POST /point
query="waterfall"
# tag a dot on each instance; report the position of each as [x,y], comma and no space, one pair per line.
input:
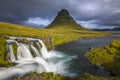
[43,63]
[34,49]
[23,52]
[11,54]
[43,50]
[32,56]
[29,53]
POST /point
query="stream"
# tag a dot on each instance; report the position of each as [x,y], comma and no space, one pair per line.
[66,59]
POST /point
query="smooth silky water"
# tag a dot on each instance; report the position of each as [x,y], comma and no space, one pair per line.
[67,59]
[30,58]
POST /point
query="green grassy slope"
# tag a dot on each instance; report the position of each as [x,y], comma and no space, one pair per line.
[60,36]
[64,21]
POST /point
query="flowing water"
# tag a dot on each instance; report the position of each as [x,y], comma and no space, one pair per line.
[66,59]
[32,57]
[81,64]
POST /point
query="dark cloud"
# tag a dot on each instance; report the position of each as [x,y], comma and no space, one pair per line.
[103,12]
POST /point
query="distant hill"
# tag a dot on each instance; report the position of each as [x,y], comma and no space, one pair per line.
[115,29]
[63,20]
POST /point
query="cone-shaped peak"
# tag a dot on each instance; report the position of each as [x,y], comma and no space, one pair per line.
[64,20]
[63,15]
[63,12]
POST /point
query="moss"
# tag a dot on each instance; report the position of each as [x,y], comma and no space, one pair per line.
[51,76]
[108,56]
[14,45]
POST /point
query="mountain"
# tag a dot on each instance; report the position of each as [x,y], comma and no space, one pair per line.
[64,20]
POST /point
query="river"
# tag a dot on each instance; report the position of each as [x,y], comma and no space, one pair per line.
[81,64]
[66,59]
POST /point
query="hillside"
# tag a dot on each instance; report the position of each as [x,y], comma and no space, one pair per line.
[8,29]
[60,36]
[64,20]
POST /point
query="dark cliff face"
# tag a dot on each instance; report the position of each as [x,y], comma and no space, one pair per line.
[63,12]
[64,20]
[63,16]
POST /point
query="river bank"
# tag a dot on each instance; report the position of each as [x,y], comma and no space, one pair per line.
[59,36]
[79,67]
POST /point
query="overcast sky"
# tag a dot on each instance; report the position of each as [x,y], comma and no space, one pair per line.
[89,13]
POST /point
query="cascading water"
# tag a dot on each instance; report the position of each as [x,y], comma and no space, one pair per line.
[11,54]
[32,58]
[43,50]
[37,53]
[23,52]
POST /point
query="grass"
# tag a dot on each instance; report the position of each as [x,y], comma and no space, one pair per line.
[60,35]
[108,56]
[51,76]
[65,22]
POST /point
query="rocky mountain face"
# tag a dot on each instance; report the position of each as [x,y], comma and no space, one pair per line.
[64,20]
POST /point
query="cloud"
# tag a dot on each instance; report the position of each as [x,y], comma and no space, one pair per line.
[92,25]
[106,12]
[37,21]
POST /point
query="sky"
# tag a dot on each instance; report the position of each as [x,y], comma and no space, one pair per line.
[92,14]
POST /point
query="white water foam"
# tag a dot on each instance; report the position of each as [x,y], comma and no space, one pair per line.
[43,61]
